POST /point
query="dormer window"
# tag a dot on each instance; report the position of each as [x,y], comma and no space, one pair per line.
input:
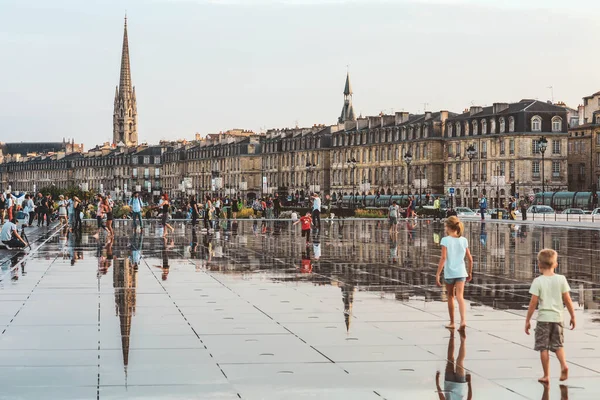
[536,124]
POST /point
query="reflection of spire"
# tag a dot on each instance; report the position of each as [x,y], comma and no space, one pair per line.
[348,299]
[125,283]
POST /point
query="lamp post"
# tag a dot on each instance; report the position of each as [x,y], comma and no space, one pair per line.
[352,164]
[408,159]
[310,168]
[497,187]
[471,153]
[543,144]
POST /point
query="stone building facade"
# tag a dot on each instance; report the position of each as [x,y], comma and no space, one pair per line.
[584,147]
[505,137]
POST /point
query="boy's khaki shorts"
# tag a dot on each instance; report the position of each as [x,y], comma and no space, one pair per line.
[549,336]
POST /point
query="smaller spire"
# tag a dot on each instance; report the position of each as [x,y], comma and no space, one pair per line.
[348,87]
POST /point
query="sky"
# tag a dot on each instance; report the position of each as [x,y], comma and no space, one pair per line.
[210,65]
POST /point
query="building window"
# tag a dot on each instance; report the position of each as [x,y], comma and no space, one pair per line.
[134,171]
[466,128]
[458,149]
[556,124]
[535,169]
[449,172]
[134,160]
[474,128]
[449,130]
[535,147]
[484,149]
[450,148]
[502,125]
[492,126]
[511,124]
[502,168]
[556,147]
[512,170]
[536,124]
[458,172]
[458,130]
[483,127]
[555,169]
[502,149]
[146,159]
[157,173]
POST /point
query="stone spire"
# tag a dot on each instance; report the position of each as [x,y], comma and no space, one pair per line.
[348,110]
[125,106]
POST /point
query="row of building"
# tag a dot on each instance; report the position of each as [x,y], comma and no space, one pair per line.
[483,150]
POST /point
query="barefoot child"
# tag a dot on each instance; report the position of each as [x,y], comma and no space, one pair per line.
[550,290]
[454,249]
[306,222]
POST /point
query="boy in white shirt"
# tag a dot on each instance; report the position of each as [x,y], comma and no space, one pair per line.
[551,291]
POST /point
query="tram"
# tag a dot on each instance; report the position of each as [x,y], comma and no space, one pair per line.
[562,200]
[384,201]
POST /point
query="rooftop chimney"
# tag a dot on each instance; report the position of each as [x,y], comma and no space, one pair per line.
[401,117]
[499,107]
[475,110]
[427,115]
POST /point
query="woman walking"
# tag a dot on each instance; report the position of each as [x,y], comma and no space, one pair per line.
[62,210]
[164,205]
[109,215]
[100,214]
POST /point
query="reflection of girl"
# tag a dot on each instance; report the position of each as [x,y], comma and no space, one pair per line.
[457,384]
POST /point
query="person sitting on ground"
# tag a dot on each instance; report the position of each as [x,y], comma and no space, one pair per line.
[10,236]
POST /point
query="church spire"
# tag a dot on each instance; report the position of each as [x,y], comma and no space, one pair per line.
[125,105]
[125,81]
[347,110]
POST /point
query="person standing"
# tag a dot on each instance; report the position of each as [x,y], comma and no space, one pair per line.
[41,202]
[62,210]
[71,212]
[316,211]
[109,215]
[523,210]
[9,205]
[49,208]
[482,206]
[195,211]
[277,205]
[77,211]
[455,248]
[28,208]
[164,206]
[2,207]
[394,210]
[136,211]
[437,209]
[551,292]
[100,214]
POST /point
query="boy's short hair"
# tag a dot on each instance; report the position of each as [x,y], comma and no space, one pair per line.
[547,258]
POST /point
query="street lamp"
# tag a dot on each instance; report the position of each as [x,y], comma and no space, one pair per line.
[352,164]
[542,144]
[310,168]
[408,159]
[471,153]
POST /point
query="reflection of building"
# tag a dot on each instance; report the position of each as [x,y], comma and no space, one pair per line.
[125,285]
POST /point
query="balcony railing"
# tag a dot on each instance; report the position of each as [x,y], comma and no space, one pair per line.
[474,177]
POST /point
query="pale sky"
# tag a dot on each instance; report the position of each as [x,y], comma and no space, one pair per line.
[208,66]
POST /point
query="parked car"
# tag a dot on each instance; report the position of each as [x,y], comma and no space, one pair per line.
[596,211]
[573,211]
[502,210]
[540,210]
[464,211]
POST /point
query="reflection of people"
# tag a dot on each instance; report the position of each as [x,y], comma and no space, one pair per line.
[551,291]
[394,247]
[457,384]
[165,259]
[483,234]
[455,248]
[306,265]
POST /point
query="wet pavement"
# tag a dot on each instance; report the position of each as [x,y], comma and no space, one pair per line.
[251,312]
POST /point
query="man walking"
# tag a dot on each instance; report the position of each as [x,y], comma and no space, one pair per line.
[40,206]
[136,209]
[482,206]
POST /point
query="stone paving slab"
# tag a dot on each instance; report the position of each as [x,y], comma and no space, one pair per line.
[240,316]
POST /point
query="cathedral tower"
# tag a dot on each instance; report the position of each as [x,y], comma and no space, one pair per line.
[125,108]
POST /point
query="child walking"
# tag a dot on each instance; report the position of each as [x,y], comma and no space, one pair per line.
[306,222]
[551,292]
[455,248]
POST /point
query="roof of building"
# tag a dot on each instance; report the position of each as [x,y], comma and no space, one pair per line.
[24,148]
[527,105]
